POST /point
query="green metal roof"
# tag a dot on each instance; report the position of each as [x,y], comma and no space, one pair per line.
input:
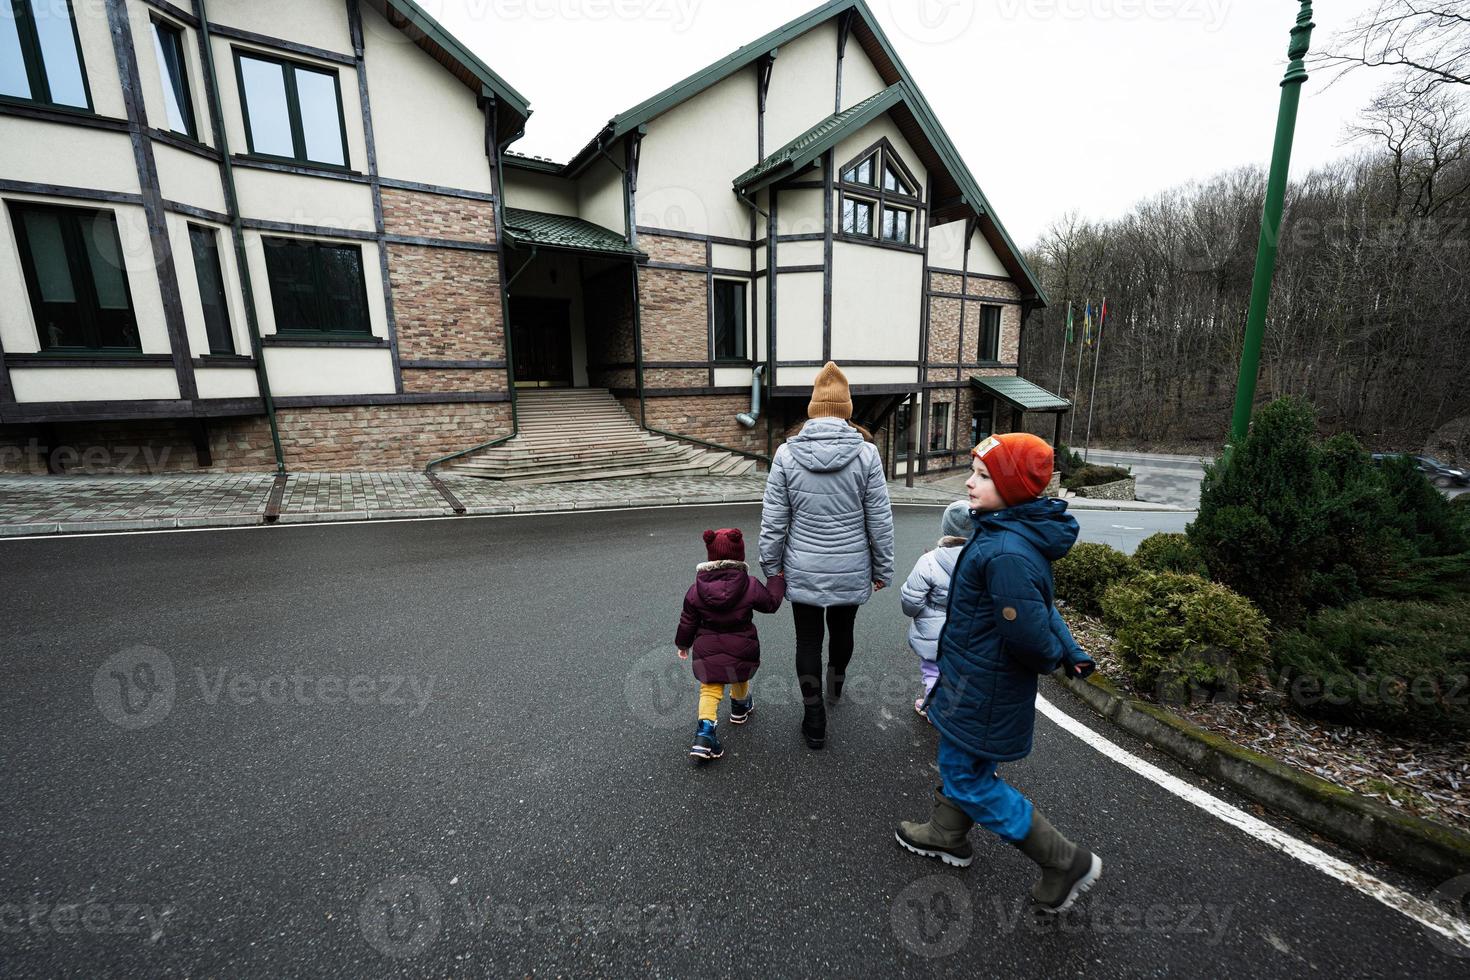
[1022,394]
[522,161]
[814,142]
[626,122]
[563,231]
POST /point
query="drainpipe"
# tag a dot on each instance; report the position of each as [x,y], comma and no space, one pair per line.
[237,232]
[770,367]
[748,419]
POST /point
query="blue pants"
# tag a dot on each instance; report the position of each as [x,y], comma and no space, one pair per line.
[973,784]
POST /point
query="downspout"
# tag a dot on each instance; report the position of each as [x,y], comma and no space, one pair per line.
[237,232]
[749,419]
[769,366]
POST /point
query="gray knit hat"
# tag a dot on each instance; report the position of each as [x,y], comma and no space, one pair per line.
[957,522]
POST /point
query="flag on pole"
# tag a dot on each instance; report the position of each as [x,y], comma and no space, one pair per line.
[1102,317]
[1069,321]
[1087,324]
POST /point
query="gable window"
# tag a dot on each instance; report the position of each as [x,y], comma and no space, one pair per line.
[204,242]
[41,55]
[857,216]
[729,314]
[939,427]
[896,223]
[317,287]
[173,69]
[861,172]
[989,333]
[893,182]
[72,260]
[292,111]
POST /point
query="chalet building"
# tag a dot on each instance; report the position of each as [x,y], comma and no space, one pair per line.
[251,234]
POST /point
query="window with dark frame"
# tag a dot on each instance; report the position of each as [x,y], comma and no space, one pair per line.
[884,219]
[939,427]
[204,242]
[292,111]
[857,216]
[901,432]
[41,55]
[173,71]
[989,333]
[982,424]
[317,287]
[73,265]
[729,320]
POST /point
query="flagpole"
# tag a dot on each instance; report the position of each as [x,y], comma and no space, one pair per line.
[1092,399]
[1076,386]
[1066,338]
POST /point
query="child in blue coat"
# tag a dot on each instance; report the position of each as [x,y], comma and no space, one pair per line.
[1002,633]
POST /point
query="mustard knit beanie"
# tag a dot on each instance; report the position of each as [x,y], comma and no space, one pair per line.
[830,396]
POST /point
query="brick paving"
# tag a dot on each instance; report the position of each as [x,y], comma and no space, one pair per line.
[50,505]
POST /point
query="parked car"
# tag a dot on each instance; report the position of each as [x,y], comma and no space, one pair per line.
[1440,474]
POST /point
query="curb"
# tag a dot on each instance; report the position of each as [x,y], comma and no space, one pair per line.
[1369,826]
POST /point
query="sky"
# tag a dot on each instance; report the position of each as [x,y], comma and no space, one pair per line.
[1055,105]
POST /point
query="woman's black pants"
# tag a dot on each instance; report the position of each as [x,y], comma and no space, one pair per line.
[809,629]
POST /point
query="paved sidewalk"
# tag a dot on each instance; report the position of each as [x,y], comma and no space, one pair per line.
[66,505]
[955,485]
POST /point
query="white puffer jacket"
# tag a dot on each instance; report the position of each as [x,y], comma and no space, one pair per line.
[925,595]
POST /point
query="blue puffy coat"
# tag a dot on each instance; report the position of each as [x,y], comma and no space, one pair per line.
[1000,632]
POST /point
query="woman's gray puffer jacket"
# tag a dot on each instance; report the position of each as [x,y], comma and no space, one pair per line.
[826,522]
[925,596]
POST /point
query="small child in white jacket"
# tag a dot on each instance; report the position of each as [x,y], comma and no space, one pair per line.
[925,595]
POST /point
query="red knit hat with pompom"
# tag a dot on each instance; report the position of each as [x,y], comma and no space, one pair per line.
[726,544]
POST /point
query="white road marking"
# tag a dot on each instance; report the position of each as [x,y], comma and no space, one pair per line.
[1425,913]
[1125,527]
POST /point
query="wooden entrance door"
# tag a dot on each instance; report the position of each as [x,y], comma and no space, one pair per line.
[541,334]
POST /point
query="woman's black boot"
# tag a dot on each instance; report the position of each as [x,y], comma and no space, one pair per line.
[814,726]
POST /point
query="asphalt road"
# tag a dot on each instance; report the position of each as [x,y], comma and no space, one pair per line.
[458,747]
[1161,479]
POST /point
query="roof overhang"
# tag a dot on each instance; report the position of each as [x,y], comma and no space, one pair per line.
[563,232]
[1021,394]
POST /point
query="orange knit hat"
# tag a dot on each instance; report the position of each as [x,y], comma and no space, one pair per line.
[830,394]
[1019,465]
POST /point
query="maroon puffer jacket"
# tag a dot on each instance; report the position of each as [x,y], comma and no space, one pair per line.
[718,620]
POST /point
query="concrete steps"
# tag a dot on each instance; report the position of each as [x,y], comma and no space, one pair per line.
[575,434]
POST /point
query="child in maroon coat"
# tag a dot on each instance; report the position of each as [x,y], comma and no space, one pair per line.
[718,623]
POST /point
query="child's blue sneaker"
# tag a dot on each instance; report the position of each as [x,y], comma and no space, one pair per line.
[706,743]
[740,709]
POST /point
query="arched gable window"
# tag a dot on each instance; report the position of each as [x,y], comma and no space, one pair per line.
[880,196]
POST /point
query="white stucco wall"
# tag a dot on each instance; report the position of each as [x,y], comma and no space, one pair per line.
[983,258]
[66,156]
[803,85]
[876,303]
[329,371]
[798,317]
[859,78]
[861,375]
[227,382]
[799,212]
[730,256]
[268,195]
[322,25]
[99,60]
[94,384]
[188,179]
[726,377]
[947,247]
[539,192]
[600,194]
[798,253]
[691,155]
[426,125]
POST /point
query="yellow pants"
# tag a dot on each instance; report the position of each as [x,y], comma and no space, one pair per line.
[710,696]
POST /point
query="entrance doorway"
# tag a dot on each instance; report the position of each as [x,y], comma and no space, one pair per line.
[541,333]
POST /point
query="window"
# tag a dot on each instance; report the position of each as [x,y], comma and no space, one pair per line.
[896,223]
[893,182]
[317,287]
[173,69]
[73,266]
[857,216]
[939,427]
[205,245]
[901,432]
[729,320]
[989,333]
[40,54]
[982,426]
[860,173]
[292,111]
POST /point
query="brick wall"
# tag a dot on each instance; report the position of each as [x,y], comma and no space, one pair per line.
[438,380]
[707,417]
[944,319]
[677,378]
[608,304]
[1001,288]
[675,317]
[447,303]
[681,250]
[100,448]
[944,330]
[435,216]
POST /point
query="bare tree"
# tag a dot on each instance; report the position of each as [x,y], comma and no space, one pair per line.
[1428,41]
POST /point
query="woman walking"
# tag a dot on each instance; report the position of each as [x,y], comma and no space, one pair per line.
[827,526]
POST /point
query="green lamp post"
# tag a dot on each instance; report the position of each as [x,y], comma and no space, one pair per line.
[1255,325]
